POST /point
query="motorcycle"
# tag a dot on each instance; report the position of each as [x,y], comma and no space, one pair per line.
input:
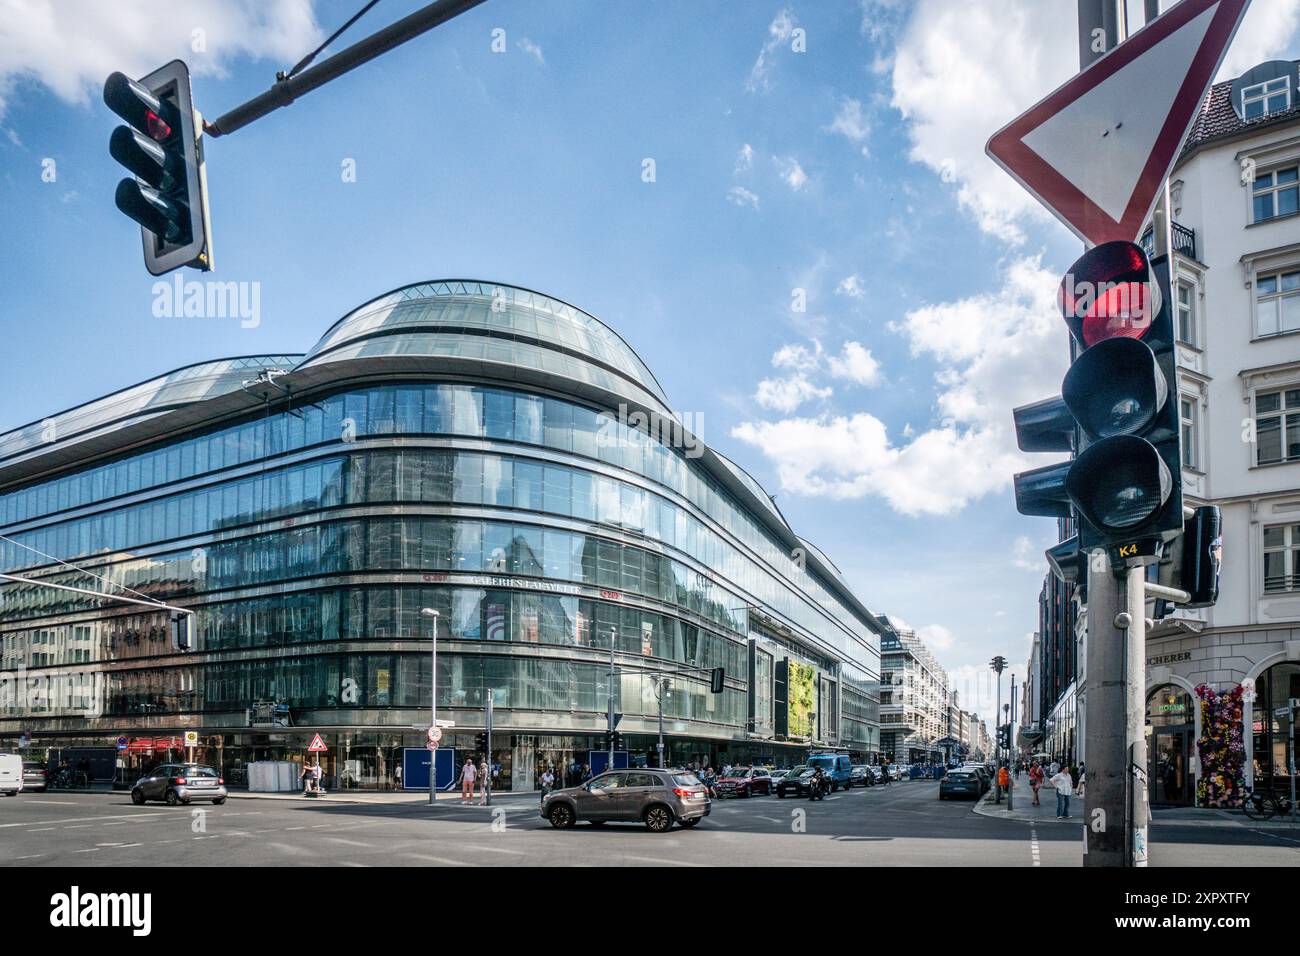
[818,787]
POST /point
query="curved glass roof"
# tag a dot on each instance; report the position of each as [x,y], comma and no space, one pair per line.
[488,309]
[194,383]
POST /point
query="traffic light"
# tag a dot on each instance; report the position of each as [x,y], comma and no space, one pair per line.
[616,740]
[1195,566]
[1117,412]
[1004,736]
[481,743]
[716,678]
[160,146]
[180,628]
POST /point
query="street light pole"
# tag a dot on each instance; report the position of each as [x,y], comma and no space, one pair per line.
[613,633]
[433,700]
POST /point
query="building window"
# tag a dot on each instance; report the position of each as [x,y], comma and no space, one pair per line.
[1187,420]
[1277,426]
[1277,303]
[1262,99]
[1276,193]
[1282,558]
[1186,314]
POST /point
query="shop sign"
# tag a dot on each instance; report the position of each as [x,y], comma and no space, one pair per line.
[1169,658]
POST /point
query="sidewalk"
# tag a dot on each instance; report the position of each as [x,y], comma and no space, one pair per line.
[1045,812]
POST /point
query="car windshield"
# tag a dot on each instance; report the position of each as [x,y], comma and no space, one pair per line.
[741,772]
[33,765]
[796,771]
[686,780]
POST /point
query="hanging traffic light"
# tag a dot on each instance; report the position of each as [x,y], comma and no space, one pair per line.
[162,150]
[1116,412]
[717,679]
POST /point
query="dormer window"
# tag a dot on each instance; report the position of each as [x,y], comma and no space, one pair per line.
[1263,99]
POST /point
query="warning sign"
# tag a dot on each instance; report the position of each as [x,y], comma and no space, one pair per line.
[317,746]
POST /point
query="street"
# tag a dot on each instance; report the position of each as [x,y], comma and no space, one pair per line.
[902,825]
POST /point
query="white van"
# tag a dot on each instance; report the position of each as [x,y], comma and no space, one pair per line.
[11,774]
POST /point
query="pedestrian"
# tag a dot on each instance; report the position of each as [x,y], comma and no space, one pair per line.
[548,782]
[483,780]
[1064,786]
[1051,771]
[1036,780]
[1004,781]
[306,779]
[1083,781]
[318,777]
[1074,775]
[467,775]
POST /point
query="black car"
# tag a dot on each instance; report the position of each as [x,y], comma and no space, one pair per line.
[961,783]
[795,783]
[861,776]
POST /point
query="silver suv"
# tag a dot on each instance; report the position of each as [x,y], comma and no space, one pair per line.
[657,798]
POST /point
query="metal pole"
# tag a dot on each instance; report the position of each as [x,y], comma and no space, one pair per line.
[433,701]
[487,783]
[659,693]
[287,89]
[1136,675]
[613,634]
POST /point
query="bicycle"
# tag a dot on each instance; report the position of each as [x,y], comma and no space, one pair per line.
[1266,805]
[70,780]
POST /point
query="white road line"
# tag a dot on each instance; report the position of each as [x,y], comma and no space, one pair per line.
[492,849]
[659,862]
[55,803]
[348,842]
[80,826]
[1033,845]
[42,829]
[438,859]
[119,816]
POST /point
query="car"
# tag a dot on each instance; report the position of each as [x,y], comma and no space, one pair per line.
[861,776]
[178,783]
[980,771]
[11,774]
[877,773]
[836,766]
[961,783]
[744,782]
[35,776]
[794,783]
[653,796]
[895,771]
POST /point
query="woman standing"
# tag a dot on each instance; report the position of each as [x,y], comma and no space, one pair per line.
[1035,779]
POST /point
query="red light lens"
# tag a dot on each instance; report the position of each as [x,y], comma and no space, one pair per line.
[1123,309]
[1110,293]
[156,127]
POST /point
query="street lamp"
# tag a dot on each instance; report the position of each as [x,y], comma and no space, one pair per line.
[433,698]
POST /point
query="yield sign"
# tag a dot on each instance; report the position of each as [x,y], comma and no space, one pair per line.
[317,745]
[1096,151]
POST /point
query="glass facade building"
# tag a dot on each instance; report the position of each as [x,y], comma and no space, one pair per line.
[481,450]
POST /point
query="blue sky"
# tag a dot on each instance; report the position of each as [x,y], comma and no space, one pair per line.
[852,170]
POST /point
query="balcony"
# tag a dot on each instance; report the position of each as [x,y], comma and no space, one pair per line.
[1184,241]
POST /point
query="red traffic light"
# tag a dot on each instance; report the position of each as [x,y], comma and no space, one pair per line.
[1108,293]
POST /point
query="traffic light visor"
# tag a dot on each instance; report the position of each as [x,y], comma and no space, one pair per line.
[1119,483]
[1115,388]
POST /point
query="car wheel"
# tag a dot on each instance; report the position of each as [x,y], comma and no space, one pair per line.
[659,819]
[137,797]
[218,801]
[746,793]
[172,798]
[780,794]
[689,823]
[561,816]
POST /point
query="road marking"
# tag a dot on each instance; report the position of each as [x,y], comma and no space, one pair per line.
[438,859]
[79,826]
[119,816]
[659,862]
[1033,845]
[42,829]
[55,803]
[348,842]
[492,849]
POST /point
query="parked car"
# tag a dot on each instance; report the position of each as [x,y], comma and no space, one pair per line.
[11,774]
[657,798]
[794,783]
[836,766]
[981,772]
[961,783]
[877,773]
[176,783]
[35,776]
[744,782]
[861,776]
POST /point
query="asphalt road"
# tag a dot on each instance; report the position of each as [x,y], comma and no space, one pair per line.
[904,824]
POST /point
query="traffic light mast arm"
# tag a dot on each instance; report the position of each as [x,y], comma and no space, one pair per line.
[288,89]
[104,594]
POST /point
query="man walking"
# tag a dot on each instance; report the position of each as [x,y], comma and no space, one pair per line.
[1064,786]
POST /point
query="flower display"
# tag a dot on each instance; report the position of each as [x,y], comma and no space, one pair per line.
[1221,748]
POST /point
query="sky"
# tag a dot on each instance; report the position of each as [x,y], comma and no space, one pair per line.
[785,208]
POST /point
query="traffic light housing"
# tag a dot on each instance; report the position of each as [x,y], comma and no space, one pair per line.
[1117,413]
[717,677]
[1004,736]
[481,742]
[160,146]
[1194,567]
[180,628]
[615,740]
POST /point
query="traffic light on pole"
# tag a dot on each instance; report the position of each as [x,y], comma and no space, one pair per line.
[160,146]
[1117,411]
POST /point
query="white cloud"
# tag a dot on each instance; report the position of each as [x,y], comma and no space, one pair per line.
[791,172]
[984,344]
[70,46]
[787,394]
[855,363]
[954,95]
[1026,557]
[532,49]
[797,356]
[778,33]
[936,637]
[742,196]
[851,123]
[745,159]
[851,286]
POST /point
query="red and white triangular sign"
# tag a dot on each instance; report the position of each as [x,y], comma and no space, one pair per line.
[317,745]
[1097,150]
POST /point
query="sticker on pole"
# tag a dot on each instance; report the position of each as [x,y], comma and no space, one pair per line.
[1096,151]
[435,734]
[191,738]
[317,746]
